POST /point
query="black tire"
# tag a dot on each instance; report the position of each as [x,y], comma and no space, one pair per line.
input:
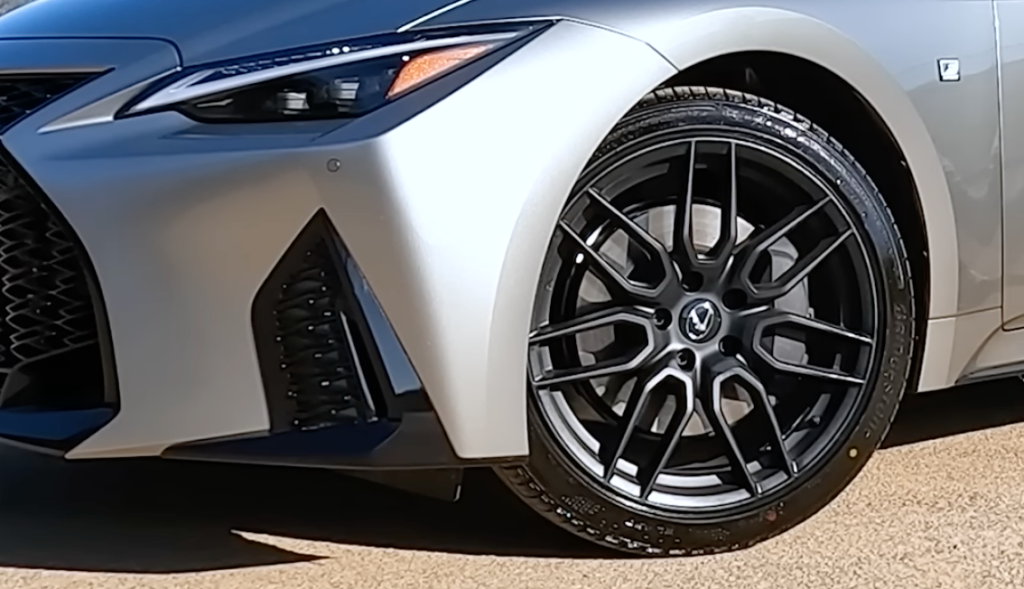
[552,482]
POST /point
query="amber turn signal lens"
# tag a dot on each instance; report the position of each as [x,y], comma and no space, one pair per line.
[423,67]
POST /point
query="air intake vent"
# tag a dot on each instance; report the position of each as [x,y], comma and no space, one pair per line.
[22,94]
[316,346]
[317,368]
[54,373]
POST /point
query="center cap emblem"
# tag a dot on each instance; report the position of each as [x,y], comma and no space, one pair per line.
[700,320]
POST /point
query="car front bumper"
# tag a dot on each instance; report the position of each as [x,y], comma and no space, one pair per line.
[444,201]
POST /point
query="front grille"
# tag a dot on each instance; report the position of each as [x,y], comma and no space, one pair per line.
[46,306]
[315,344]
[22,94]
[51,354]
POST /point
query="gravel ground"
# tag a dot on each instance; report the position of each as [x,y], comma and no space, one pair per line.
[940,507]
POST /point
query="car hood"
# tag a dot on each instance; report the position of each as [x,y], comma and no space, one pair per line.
[213,30]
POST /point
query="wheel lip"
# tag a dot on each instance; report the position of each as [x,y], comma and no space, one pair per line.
[601,167]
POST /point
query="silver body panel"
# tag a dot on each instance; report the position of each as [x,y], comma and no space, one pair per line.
[1011,52]
[447,200]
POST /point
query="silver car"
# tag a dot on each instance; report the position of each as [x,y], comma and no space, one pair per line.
[667,268]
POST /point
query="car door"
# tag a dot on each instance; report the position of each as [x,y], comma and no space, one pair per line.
[1009,24]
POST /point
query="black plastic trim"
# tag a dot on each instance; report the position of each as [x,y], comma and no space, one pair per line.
[416,441]
[401,432]
[73,80]
[1012,370]
[384,402]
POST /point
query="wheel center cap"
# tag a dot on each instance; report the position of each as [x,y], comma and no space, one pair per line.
[700,320]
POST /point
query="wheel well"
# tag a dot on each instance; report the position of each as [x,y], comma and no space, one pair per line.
[834,105]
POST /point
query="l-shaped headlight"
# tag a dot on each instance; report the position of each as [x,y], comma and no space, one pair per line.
[336,81]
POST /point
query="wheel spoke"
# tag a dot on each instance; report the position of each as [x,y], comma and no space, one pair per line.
[758,244]
[729,224]
[760,398]
[644,239]
[826,374]
[814,372]
[720,424]
[611,450]
[799,271]
[590,372]
[682,236]
[721,251]
[799,323]
[647,474]
[591,321]
[552,333]
[612,277]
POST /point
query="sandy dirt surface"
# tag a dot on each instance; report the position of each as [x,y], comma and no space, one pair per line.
[941,506]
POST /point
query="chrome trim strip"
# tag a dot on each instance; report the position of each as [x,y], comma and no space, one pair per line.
[103,110]
[431,15]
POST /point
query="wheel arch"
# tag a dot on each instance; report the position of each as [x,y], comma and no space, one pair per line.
[695,40]
[772,31]
[832,104]
[803,39]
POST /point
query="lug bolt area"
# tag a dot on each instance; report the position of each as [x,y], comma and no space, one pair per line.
[692,281]
[730,346]
[662,318]
[687,359]
[734,299]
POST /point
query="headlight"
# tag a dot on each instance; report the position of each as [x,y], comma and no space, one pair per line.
[341,80]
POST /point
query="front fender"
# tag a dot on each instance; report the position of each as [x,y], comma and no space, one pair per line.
[459,279]
[689,33]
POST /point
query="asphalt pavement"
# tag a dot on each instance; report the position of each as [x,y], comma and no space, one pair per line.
[941,506]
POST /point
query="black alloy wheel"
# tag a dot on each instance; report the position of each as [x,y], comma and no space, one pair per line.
[722,333]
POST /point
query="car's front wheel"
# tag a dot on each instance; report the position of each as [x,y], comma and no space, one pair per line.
[722,333]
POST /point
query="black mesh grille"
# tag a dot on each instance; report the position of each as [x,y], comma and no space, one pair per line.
[22,94]
[315,345]
[44,295]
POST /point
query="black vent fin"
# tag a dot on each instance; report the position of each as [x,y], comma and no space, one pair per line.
[22,94]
